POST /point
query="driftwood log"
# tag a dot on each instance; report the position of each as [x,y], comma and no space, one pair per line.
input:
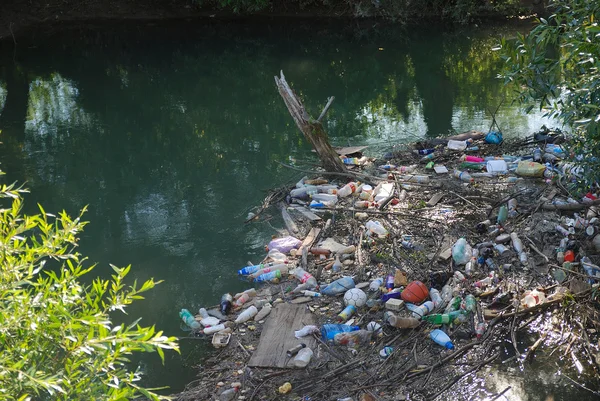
[311,128]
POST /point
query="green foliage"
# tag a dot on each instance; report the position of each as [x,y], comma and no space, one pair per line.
[557,66]
[58,338]
[461,11]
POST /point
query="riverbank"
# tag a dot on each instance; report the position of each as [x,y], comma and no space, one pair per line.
[15,18]
[502,296]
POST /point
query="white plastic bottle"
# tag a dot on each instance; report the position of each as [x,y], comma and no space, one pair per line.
[436,298]
[247,314]
[264,312]
[303,357]
[346,190]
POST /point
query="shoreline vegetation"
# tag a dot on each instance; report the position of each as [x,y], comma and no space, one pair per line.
[16,17]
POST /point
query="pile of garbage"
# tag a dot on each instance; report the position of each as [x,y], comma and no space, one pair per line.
[406,271]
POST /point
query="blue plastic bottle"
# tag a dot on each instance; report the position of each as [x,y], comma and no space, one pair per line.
[441,338]
[339,286]
[328,331]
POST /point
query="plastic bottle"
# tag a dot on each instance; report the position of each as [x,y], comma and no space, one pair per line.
[226,303]
[337,265]
[346,190]
[247,314]
[537,155]
[516,242]
[512,208]
[281,268]
[303,192]
[480,328]
[270,276]
[407,169]
[189,319]
[217,328]
[470,303]
[446,293]
[305,331]
[423,152]
[459,276]
[376,227]
[207,320]
[263,313]
[502,214]
[403,322]
[308,293]
[328,331]
[241,300]
[303,358]
[389,282]
[436,298]
[441,338]
[338,286]
[562,230]
[461,252]
[253,269]
[420,179]
[325,198]
[376,284]
[228,395]
[453,305]
[346,313]
[457,145]
[438,318]
[307,280]
[251,292]
[463,176]
[483,283]
[419,311]
[427,157]
[362,204]
[353,338]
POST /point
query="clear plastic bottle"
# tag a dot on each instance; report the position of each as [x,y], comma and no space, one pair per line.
[436,298]
[337,265]
[228,395]
[303,357]
[353,338]
[241,300]
[403,322]
[375,227]
[251,292]
[376,284]
[446,293]
[502,214]
[362,204]
[306,279]
[512,208]
[463,176]
[421,310]
[407,169]
[325,198]
[347,189]
[516,242]
[470,303]
[263,313]
[189,319]
[217,328]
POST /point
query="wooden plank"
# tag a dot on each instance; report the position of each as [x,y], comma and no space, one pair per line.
[349,150]
[307,213]
[435,199]
[278,336]
[310,238]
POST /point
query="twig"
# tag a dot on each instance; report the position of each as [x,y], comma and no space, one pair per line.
[537,250]
[500,394]
[581,385]
[327,106]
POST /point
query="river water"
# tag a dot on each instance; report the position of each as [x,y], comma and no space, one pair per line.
[172,132]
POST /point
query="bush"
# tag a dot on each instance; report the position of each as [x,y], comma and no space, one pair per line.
[556,66]
[58,338]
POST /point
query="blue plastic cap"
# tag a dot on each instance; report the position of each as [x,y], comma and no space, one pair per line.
[449,345]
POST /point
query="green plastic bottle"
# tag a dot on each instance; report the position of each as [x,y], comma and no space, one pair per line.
[470,303]
[502,214]
[437,318]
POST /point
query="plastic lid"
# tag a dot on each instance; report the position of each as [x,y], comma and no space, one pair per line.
[449,345]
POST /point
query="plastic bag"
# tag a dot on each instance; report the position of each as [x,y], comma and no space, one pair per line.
[530,169]
[284,244]
[461,252]
[494,137]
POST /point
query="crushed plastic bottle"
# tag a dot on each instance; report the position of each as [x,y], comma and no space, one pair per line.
[346,190]
[338,286]
[329,331]
[307,281]
[307,330]
[353,338]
